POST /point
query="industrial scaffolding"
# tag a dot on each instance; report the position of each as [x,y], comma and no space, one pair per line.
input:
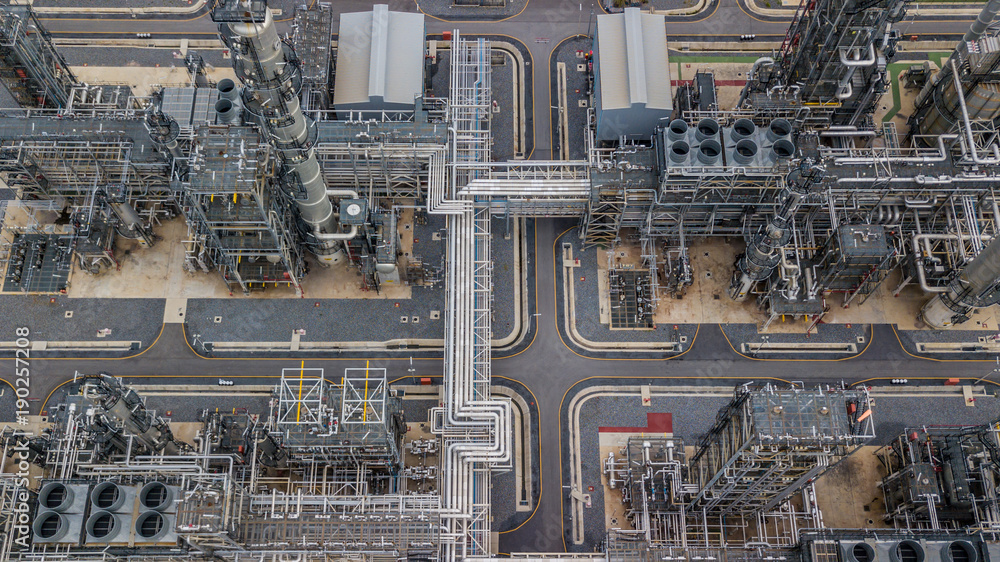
[311,40]
[355,425]
[240,221]
[30,68]
[769,443]
[943,478]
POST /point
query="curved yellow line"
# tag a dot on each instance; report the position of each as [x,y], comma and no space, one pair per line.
[531,318]
[901,346]
[532,58]
[555,298]
[717,4]
[548,73]
[871,336]
[537,407]
[421,10]
[162,326]
[539,457]
[51,392]
[749,15]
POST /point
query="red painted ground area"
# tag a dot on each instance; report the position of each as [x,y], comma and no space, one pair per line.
[655,423]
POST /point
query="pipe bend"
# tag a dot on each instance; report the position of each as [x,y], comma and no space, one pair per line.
[848,62]
[333,236]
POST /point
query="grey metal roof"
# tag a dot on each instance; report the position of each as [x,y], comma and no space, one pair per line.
[633,64]
[379,57]
[190,106]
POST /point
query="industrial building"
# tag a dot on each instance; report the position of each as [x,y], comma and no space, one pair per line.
[309,159]
[631,75]
[380,66]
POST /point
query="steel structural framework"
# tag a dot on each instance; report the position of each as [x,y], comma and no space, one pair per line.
[31,69]
[770,443]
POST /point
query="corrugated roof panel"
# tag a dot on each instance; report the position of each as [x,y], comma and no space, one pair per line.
[353,58]
[657,63]
[379,51]
[405,70]
[614,73]
[635,46]
[380,57]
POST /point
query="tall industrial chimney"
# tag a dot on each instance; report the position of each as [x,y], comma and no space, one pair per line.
[270,73]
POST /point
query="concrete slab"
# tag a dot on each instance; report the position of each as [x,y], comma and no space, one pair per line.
[174,310]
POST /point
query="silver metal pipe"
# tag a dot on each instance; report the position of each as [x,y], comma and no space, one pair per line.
[925,240]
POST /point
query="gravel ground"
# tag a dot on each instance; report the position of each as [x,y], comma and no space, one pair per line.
[827,333]
[131,56]
[588,315]
[246,319]
[895,414]
[504,497]
[694,416]
[128,319]
[910,338]
[502,82]
[576,90]
[654,4]
[116,3]
[6,99]
[445,10]
[502,123]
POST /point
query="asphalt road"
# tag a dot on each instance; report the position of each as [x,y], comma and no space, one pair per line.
[547,367]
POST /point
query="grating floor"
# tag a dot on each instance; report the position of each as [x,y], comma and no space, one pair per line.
[631,306]
[39,263]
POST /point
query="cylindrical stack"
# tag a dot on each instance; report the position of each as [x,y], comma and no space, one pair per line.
[977,286]
[745,151]
[679,152]
[677,130]
[260,58]
[706,129]
[777,129]
[709,151]
[764,248]
[742,129]
[933,92]
[228,113]
[230,106]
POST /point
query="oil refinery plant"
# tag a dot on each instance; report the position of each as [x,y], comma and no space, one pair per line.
[317,161]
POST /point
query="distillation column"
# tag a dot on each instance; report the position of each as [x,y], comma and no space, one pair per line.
[935,105]
[976,286]
[763,251]
[270,73]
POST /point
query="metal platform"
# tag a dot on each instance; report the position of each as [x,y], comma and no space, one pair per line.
[39,263]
